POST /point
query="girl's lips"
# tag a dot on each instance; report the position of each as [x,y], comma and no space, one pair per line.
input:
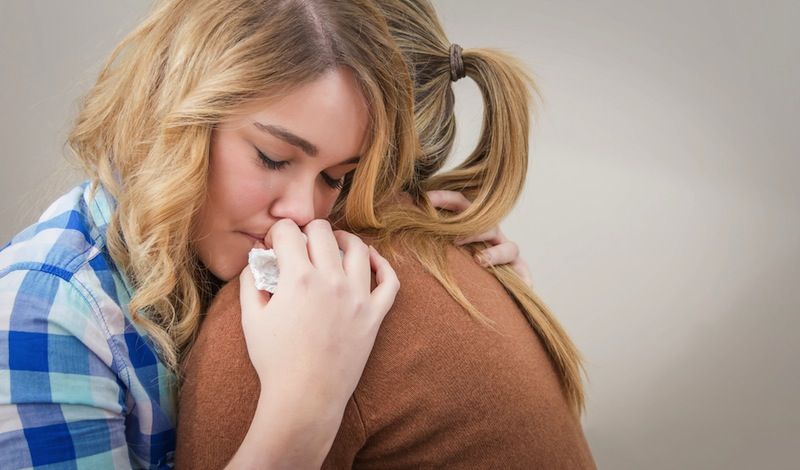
[256,238]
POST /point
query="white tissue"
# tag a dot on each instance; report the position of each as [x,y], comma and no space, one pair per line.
[264,266]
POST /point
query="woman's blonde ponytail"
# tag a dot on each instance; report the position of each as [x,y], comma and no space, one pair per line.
[492,176]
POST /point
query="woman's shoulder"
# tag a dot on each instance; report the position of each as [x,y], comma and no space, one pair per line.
[65,237]
[68,241]
[58,270]
[62,296]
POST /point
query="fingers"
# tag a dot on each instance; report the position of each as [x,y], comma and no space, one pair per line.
[323,249]
[503,253]
[521,267]
[493,236]
[506,253]
[251,298]
[290,246]
[387,283]
[356,260]
[448,200]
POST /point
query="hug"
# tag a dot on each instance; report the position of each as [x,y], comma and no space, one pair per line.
[403,332]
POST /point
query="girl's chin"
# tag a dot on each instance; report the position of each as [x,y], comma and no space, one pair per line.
[228,271]
[231,260]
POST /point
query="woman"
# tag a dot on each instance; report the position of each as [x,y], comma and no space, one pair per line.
[101,298]
[500,389]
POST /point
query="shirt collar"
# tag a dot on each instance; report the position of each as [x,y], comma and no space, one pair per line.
[101,206]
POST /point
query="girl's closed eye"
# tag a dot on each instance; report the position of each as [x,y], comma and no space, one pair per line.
[333,183]
[270,163]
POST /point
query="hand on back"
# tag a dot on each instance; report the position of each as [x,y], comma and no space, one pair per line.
[501,249]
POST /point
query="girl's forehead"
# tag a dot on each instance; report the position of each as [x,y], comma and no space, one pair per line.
[326,117]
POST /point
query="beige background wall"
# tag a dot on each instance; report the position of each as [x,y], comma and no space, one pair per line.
[660,219]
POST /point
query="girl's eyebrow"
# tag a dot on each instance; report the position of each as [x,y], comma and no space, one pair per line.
[288,137]
[293,139]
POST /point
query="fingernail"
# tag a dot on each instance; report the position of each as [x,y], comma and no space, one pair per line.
[483,259]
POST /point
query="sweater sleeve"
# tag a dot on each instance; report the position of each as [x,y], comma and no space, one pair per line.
[349,440]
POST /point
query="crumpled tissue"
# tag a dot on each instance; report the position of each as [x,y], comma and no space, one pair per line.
[264,266]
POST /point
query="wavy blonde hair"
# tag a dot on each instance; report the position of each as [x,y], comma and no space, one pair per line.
[492,176]
[143,131]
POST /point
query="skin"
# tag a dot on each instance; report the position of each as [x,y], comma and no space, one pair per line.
[501,249]
[247,195]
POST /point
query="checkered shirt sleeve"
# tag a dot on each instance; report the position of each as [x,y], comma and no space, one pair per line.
[80,386]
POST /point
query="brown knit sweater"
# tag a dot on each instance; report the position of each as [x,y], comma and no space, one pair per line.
[439,390]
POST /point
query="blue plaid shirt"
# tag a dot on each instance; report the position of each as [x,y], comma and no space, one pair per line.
[80,386]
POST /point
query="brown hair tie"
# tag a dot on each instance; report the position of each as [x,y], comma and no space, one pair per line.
[456,63]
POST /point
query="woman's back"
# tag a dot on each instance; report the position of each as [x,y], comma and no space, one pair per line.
[441,389]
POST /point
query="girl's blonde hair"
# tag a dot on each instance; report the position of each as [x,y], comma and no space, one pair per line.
[492,176]
[143,131]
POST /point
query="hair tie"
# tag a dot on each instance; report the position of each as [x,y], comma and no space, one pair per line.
[456,63]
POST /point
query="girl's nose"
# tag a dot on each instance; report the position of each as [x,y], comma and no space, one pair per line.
[296,203]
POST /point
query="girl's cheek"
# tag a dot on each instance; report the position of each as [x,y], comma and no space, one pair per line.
[325,203]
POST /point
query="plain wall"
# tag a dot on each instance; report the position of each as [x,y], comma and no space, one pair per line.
[660,218]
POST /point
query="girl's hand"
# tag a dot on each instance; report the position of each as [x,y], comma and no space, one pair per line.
[502,251]
[310,341]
